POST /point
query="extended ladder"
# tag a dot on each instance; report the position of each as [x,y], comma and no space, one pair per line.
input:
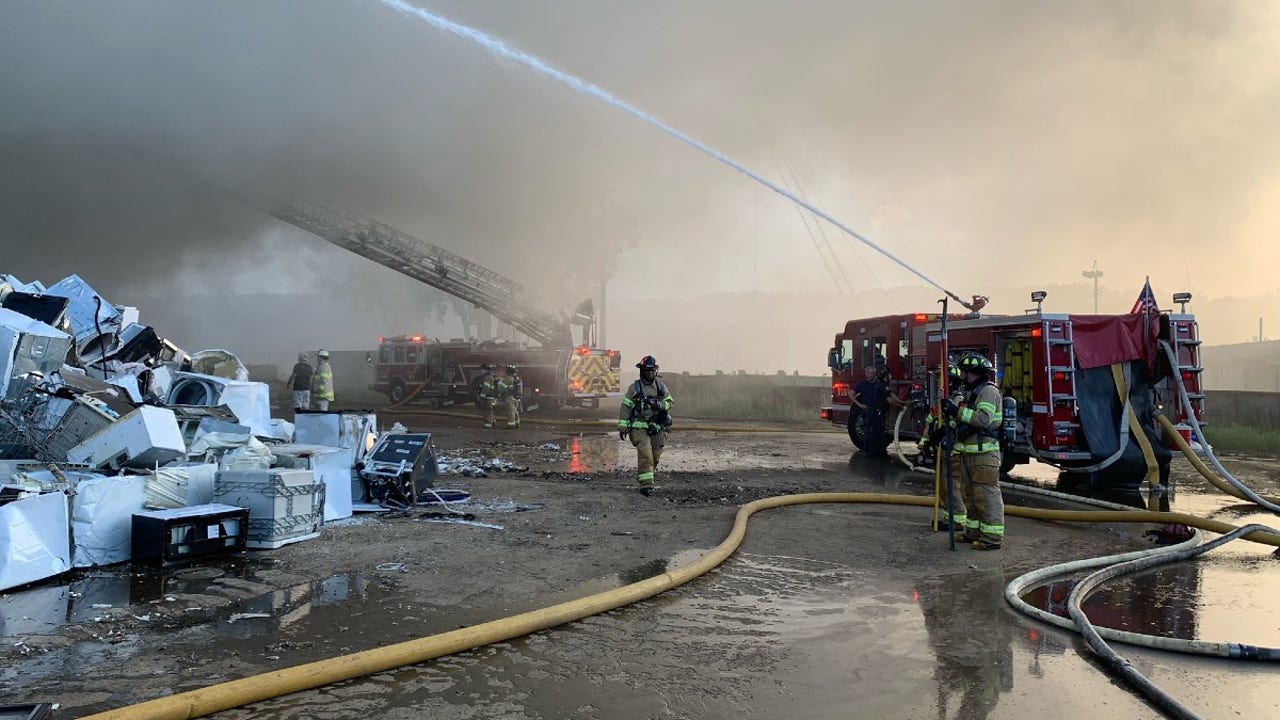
[506,299]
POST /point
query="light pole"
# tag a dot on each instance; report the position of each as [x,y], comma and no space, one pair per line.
[1093,275]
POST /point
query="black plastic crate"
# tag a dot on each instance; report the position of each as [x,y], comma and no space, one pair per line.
[36,711]
[189,533]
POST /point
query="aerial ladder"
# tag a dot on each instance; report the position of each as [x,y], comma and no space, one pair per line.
[504,298]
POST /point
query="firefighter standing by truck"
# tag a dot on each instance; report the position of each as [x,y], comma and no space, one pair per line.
[511,394]
[975,459]
[645,419]
[487,394]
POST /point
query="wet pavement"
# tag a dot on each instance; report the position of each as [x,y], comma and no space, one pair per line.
[802,621]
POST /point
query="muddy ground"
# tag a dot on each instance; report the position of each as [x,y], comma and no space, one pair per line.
[829,610]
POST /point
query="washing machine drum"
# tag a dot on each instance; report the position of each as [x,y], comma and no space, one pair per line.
[194,391]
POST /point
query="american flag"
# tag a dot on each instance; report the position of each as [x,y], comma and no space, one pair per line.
[1146,301]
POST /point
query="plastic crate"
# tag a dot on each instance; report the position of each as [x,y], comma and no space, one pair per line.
[35,711]
[190,533]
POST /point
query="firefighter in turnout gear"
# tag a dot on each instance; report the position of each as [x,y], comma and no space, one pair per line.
[932,435]
[487,394]
[975,459]
[645,420]
[511,394]
[322,382]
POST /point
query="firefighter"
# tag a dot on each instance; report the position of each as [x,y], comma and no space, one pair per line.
[300,383]
[976,452]
[511,393]
[487,394]
[870,396]
[645,419]
[932,434]
[322,384]
[929,444]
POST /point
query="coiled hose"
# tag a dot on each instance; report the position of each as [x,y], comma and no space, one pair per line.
[1122,667]
[256,688]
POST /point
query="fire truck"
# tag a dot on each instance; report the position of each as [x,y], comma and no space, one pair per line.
[561,367]
[1063,404]
[411,367]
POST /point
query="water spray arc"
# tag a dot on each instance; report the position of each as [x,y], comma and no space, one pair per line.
[501,49]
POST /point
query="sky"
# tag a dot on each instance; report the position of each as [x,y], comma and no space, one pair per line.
[995,146]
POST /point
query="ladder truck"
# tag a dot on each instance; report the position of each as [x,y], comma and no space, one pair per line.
[564,370]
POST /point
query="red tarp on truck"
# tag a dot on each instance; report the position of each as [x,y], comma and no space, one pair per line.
[1105,339]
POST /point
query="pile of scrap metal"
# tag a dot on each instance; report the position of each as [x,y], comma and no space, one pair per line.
[102,419]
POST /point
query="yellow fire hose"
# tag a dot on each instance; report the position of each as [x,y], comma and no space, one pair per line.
[1204,469]
[256,688]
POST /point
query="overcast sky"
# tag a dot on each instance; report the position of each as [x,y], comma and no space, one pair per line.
[990,144]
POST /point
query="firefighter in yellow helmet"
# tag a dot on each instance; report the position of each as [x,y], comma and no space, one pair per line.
[322,382]
[645,419]
[975,424]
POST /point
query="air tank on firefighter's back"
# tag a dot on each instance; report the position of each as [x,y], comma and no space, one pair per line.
[1009,421]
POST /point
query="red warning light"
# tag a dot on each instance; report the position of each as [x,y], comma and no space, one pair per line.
[380,338]
[1059,376]
[1186,375]
[416,338]
[921,317]
[1036,332]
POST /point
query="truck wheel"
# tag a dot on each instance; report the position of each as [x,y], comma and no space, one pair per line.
[855,427]
[397,392]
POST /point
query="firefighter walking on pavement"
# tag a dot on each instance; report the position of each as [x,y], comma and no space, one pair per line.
[487,394]
[975,423]
[511,394]
[645,419]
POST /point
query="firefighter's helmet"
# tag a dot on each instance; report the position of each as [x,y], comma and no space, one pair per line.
[302,357]
[511,369]
[973,362]
[954,372]
[648,362]
[323,354]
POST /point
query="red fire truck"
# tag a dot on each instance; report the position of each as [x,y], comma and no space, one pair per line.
[447,373]
[1062,404]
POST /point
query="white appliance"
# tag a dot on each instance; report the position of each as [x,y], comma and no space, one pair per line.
[147,437]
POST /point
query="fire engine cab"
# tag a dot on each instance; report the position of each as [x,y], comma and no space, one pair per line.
[1068,381]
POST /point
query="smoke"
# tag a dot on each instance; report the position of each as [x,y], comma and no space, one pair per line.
[991,144]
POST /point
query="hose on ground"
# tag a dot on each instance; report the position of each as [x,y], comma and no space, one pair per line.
[1117,662]
[256,688]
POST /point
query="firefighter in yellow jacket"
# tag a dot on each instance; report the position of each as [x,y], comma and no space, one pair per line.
[645,420]
[976,452]
[322,382]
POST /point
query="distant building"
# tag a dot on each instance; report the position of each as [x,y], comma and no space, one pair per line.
[1244,366]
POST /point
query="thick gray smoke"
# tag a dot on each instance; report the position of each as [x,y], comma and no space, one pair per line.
[138,139]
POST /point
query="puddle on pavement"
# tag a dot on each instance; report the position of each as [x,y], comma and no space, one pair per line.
[599,453]
[91,596]
[772,635]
